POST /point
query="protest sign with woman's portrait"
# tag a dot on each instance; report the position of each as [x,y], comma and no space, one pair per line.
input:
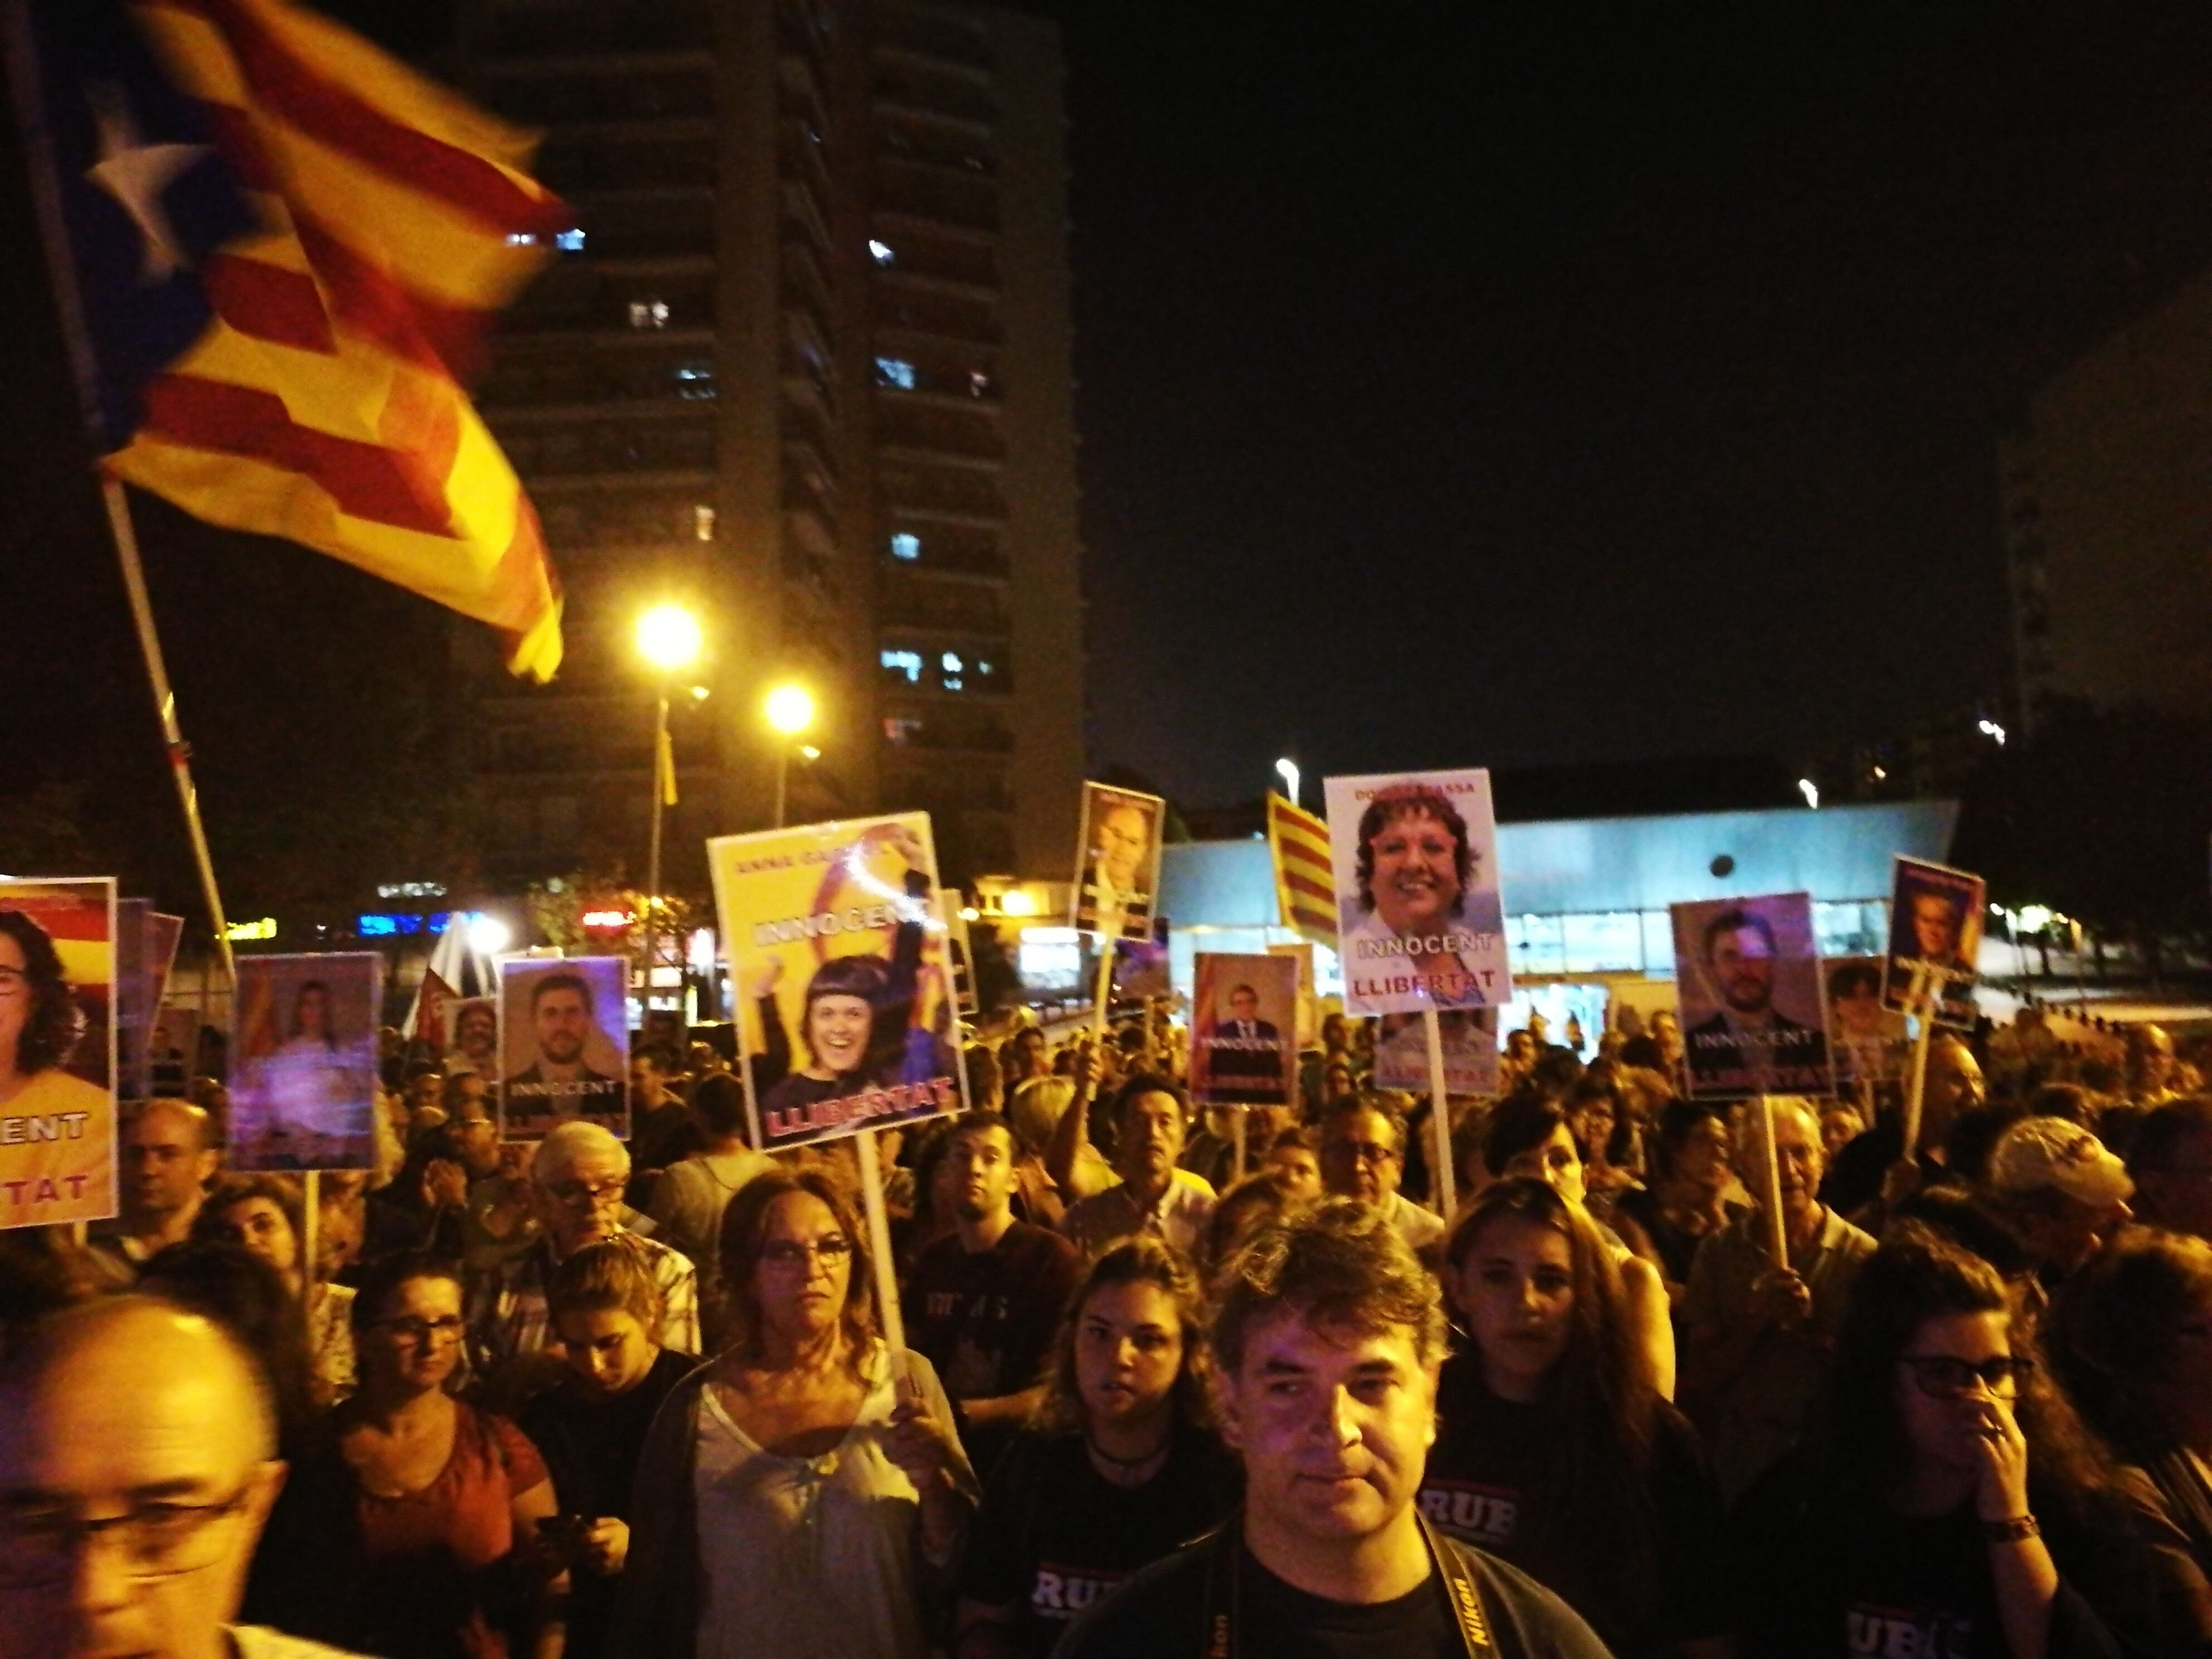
[57,1052]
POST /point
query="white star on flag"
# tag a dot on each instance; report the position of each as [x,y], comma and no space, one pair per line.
[135,174]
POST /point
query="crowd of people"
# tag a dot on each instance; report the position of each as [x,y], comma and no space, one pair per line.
[1172,1381]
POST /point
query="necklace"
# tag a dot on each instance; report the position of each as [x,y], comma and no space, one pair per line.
[1136,1463]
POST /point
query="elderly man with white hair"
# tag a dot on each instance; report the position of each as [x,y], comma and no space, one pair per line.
[576,1183]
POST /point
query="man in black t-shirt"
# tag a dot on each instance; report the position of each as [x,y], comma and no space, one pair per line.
[1326,1345]
[984,1305]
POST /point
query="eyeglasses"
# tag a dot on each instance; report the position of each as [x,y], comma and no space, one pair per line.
[42,1545]
[1364,1151]
[788,1253]
[588,1192]
[420,1331]
[1942,1378]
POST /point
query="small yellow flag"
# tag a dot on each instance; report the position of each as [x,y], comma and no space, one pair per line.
[664,761]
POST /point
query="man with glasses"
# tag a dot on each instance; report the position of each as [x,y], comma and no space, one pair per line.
[1363,1156]
[576,1181]
[138,1464]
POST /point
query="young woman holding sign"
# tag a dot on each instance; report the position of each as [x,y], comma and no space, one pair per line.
[796,1495]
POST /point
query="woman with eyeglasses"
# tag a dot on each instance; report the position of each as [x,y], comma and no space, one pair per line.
[1948,1501]
[1553,1450]
[799,1496]
[414,1534]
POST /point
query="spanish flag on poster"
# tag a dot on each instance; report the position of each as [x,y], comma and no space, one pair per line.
[286,246]
[1303,896]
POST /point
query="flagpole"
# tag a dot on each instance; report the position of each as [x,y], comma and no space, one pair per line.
[46,194]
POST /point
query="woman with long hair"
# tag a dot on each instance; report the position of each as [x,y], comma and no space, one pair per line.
[795,1496]
[264,1215]
[1692,1192]
[1553,1450]
[1119,1468]
[1948,1500]
[2131,1335]
[1527,1134]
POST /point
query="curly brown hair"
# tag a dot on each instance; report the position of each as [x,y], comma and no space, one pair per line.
[1339,1263]
[1139,1260]
[745,1232]
[54,1022]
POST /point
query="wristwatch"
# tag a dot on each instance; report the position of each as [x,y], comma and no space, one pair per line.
[2012,1531]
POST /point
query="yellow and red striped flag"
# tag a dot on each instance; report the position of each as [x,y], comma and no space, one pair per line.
[1305,896]
[316,238]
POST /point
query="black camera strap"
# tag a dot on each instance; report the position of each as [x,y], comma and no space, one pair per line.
[1224,1592]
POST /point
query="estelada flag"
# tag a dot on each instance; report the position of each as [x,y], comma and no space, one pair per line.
[287,245]
[428,1018]
[1304,895]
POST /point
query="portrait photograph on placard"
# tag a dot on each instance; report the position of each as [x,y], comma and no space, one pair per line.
[841,971]
[1869,1036]
[1935,931]
[1470,1044]
[303,1062]
[1117,863]
[57,1111]
[1421,921]
[563,1046]
[1243,1029]
[1754,1016]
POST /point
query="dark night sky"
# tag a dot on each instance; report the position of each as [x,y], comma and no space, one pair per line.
[1465,384]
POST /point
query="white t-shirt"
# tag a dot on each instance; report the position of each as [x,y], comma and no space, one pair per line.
[811,1557]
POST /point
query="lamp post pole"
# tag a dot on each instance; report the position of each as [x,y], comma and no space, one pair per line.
[660,758]
[782,777]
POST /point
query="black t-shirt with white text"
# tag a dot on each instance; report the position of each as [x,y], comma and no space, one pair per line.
[1489,1483]
[1161,1614]
[1055,1536]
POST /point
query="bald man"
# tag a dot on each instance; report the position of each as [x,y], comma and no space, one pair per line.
[168,1157]
[576,1183]
[138,1464]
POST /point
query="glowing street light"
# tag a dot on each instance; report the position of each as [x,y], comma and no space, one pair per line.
[789,710]
[1992,731]
[1811,791]
[668,637]
[1288,770]
[487,935]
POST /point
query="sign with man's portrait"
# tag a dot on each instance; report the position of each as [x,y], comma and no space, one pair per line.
[841,971]
[1755,1022]
[1117,862]
[1421,921]
[1868,1035]
[1935,931]
[303,1061]
[1243,1029]
[561,1053]
[58,1124]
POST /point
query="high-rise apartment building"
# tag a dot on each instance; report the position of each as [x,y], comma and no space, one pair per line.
[2108,487]
[802,364]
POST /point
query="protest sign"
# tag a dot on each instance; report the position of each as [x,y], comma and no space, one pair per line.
[1936,932]
[1308,1022]
[303,1062]
[840,971]
[1470,1044]
[1747,972]
[58,1124]
[1117,862]
[1870,1037]
[175,1045]
[562,1049]
[1414,857]
[472,1023]
[1243,1030]
[135,1004]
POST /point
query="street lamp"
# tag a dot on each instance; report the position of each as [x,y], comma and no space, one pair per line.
[1288,770]
[668,638]
[789,710]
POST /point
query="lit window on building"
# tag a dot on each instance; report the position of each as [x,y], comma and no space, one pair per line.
[695,382]
[900,729]
[985,668]
[702,522]
[952,671]
[905,544]
[980,385]
[520,239]
[648,314]
[908,663]
[568,242]
[883,252]
[895,371]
